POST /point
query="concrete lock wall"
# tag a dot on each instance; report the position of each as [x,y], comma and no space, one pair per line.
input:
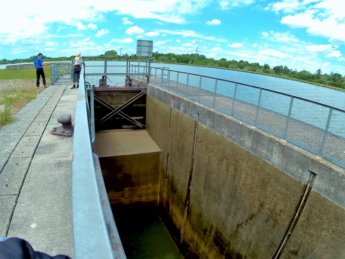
[245,186]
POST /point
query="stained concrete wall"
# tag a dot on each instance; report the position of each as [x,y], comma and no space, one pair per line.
[129,160]
[245,186]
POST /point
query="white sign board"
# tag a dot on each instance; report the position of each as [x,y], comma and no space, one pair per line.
[144,48]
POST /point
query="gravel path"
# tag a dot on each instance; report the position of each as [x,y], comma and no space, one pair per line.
[17,83]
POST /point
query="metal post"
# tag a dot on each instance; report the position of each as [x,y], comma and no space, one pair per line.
[52,74]
[92,102]
[258,109]
[288,118]
[177,77]
[105,67]
[326,130]
[199,92]
[214,94]
[84,71]
[168,78]
[149,71]
[233,101]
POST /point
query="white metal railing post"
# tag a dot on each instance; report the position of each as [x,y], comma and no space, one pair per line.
[288,118]
[324,136]
[233,101]
[215,94]
[258,109]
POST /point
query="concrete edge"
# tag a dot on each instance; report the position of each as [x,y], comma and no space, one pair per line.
[292,160]
[90,229]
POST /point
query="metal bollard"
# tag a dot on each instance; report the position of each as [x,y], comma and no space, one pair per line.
[66,129]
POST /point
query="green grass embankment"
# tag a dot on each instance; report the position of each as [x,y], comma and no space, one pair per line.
[17,88]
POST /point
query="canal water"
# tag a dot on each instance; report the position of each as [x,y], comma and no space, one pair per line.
[143,234]
[315,93]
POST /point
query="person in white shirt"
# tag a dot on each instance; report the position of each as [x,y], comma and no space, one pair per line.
[76,64]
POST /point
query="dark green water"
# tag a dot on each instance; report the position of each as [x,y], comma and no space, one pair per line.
[143,234]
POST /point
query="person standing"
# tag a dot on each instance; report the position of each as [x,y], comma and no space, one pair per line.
[76,64]
[39,70]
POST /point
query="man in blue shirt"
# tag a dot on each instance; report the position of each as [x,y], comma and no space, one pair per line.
[39,70]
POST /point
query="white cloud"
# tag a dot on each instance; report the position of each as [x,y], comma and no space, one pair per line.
[102,32]
[188,45]
[152,34]
[214,52]
[160,43]
[301,20]
[125,21]
[282,37]
[81,26]
[318,48]
[92,26]
[214,22]
[323,18]
[32,18]
[227,4]
[171,11]
[124,40]
[286,6]
[272,53]
[235,45]
[134,30]
[193,34]
[334,54]
[51,43]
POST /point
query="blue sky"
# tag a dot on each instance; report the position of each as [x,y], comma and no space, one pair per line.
[301,34]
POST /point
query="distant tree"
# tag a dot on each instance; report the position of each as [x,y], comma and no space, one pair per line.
[242,64]
[336,77]
[266,68]
[286,70]
[278,69]
[318,74]
[110,54]
[304,75]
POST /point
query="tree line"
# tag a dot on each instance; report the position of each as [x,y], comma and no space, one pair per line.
[333,79]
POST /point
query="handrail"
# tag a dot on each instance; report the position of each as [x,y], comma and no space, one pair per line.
[253,86]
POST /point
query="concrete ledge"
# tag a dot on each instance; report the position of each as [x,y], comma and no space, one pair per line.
[93,235]
[294,161]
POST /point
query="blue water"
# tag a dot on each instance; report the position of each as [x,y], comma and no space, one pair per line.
[315,93]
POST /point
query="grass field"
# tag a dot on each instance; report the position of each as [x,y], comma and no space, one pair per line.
[17,88]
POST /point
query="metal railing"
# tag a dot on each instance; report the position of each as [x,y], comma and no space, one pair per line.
[313,126]
[61,72]
[114,72]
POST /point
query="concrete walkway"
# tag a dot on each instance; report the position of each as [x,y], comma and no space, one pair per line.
[35,174]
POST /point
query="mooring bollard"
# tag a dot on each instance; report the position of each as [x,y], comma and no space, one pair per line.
[66,129]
